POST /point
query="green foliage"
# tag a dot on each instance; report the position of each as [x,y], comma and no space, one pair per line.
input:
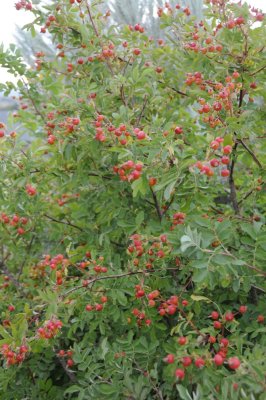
[119,232]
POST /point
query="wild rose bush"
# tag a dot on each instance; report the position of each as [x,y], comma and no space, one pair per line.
[132,226]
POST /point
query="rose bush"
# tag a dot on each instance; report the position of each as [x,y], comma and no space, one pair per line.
[132,227]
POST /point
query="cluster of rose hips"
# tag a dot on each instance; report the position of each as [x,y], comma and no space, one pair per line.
[50,329]
[136,28]
[185,10]
[15,221]
[121,132]
[238,20]
[73,1]
[98,268]
[141,317]
[13,357]
[58,263]
[68,126]
[30,190]
[66,197]
[23,4]
[167,307]
[150,252]
[106,53]
[207,168]
[229,317]
[221,93]
[2,131]
[68,356]
[49,21]
[97,306]
[129,171]
[6,282]
[178,219]
[199,362]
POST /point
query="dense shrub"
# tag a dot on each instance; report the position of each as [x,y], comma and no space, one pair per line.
[132,227]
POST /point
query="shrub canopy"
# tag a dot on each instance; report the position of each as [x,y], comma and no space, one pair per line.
[132,227]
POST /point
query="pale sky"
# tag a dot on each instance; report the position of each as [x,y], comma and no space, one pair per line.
[10,17]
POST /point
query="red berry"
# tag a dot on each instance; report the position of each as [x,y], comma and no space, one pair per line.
[180,373]
[182,340]
[178,130]
[242,309]
[225,160]
[199,362]
[186,361]
[234,363]
[215,315]
[169,359]
[227,149]
[214,162]
[70,362]
[260,319]
[229,316]
[212,339]
[224,342]
[218,359]
[98,307]
[217,325]
[136,51]
[225,173]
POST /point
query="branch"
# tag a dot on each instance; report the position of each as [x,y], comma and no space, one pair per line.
[175,90]
[250,152]
[156,204]
[97,34]
[38,112]
[4,268]
[258,70]
[118,276]
[70,374]
[63,222]
[142,110]
[233,196]
[25,258]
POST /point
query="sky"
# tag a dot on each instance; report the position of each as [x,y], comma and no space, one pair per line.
[10,17]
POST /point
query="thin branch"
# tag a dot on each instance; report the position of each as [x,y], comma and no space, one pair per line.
[233,196]
[4,268]
[118,276]
[258,70]
[97,34]
[25,258]
[38,112]
[156,204]
[250,152]
[145,101]
[64,222]
[175,90]
[69,373]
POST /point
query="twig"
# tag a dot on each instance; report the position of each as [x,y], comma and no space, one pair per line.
[70,374]
[4,268]
[233,196]
[118,276]
[156,204]
[175,90]
[250,152]
[142,110]
[63,222]
[25,258]
[98,35]
[258,70]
